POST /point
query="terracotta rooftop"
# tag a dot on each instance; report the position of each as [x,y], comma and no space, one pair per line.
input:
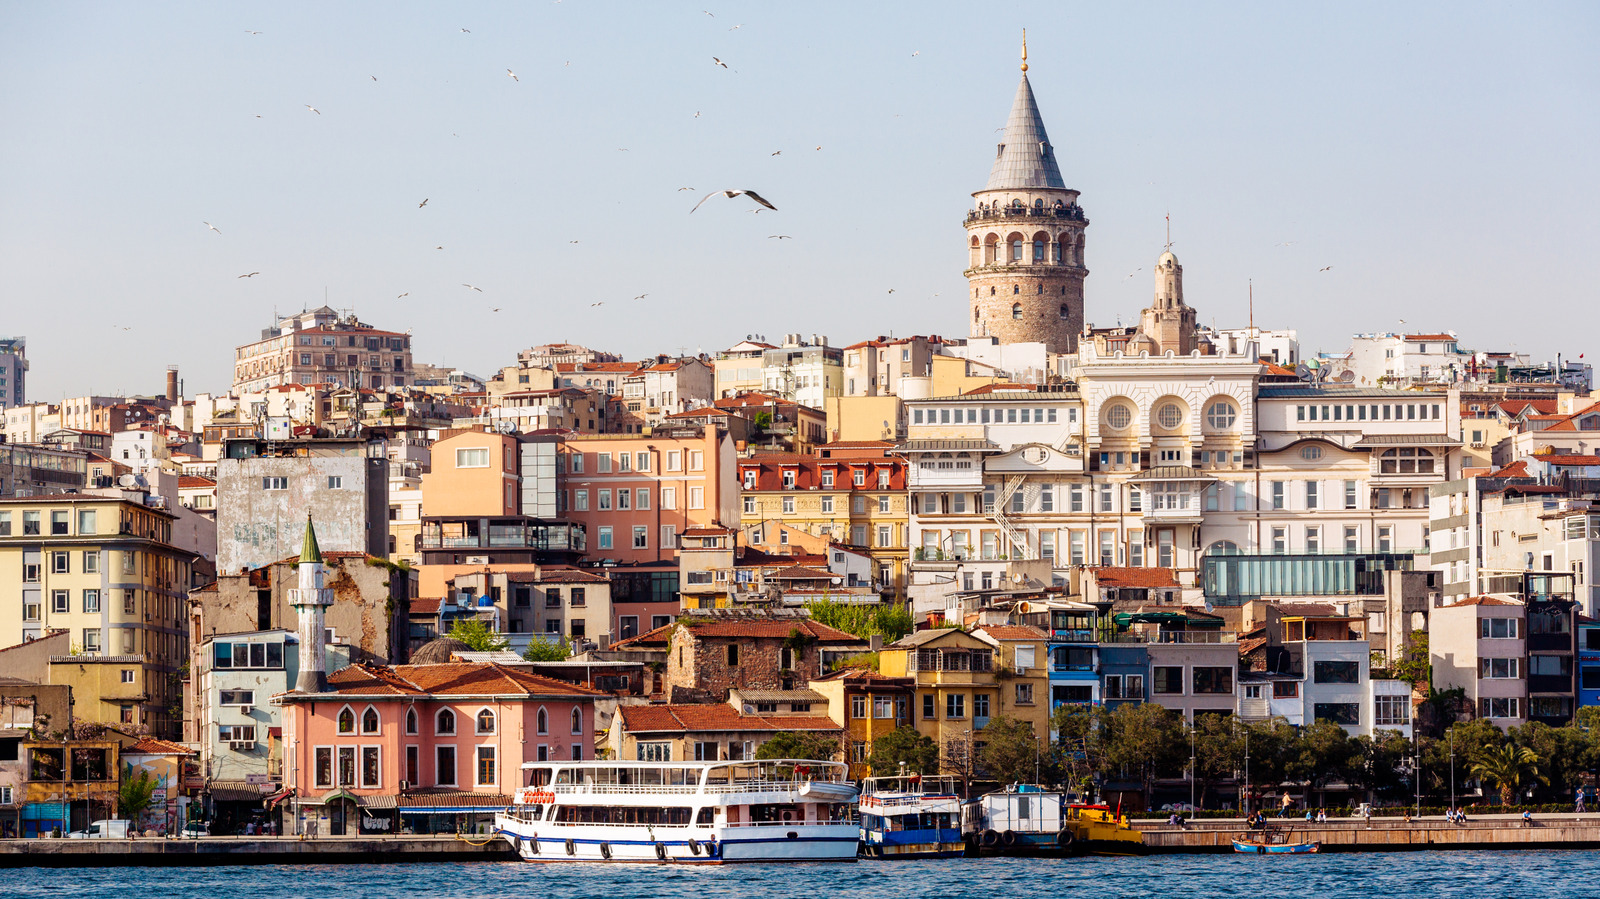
[1013,632]
[774,628]
[800,573]
[1117,577]
[451,679]
[713,717]
[1558,459]
[1514,470]
[153,746]
[1483,601]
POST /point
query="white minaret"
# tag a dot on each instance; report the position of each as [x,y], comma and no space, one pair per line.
[309,601]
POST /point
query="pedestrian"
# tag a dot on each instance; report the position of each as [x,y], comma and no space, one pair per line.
[1322,816]
[1579,801]
[1527,818]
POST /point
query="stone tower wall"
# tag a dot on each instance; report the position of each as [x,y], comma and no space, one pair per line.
[1049,291]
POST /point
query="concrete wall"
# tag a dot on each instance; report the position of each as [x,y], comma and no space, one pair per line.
[256,527]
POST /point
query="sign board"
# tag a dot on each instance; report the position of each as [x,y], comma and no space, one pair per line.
[158,795]
[257,779]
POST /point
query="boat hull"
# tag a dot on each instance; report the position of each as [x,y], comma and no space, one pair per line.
[941,843]
[1276,848]
[686,846]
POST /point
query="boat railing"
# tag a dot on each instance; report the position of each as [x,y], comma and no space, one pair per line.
[715,786]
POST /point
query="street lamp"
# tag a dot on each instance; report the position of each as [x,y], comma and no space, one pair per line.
[1191,770]
[1452,770]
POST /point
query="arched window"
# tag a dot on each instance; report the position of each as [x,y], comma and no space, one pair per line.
[1065,311]
[1169,416]
[1063,290]
[577,721]
[411,721]
[1038,251]
[1406,461]
[1016,250]
[1063,251]
[1221,415]
[1223,548]
[542,722]
[974,315]
[1119,417]
[1016,288]
[991,291]
[1041,289]
[369,721]
[486,721]
[1016,310]
[445,723]
[347,721]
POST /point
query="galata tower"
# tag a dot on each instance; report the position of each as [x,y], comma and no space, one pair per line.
[1025,238]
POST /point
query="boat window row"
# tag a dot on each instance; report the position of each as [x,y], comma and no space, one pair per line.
[923,821]
[671,816]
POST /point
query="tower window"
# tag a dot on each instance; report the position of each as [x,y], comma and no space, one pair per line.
[1015,288]
[1065,312]
[1063,290]
[1041,289]
[1016,310]
[974,315]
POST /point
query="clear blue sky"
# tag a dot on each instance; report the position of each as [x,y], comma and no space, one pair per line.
[1439,156]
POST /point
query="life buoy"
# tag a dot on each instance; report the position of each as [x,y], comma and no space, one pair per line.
[712,849]
[605,850]
[694,845]
[572,848]
[661,850]
[533,844]
[990,838]
[1009,838]
[1261,850]
[1065,837]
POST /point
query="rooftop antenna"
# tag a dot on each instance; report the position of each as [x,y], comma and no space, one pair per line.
[1252,284]
[1024,50]
[1169,230]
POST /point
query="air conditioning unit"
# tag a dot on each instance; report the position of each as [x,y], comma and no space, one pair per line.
[246,709]
[241,745]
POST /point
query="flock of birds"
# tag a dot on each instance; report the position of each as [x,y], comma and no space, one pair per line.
[762,202]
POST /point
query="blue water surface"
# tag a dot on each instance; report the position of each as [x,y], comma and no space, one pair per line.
[1477,875]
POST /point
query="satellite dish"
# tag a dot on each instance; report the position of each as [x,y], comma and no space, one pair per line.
[1346,376]
[1302,372]
[1016,578]
[127,480]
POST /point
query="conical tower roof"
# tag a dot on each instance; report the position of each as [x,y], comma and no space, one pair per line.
[309,551]
[1025,159]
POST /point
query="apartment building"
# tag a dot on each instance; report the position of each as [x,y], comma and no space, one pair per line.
[1479,645]
[322,347]
[805,373]
[853,494]
[13,372]
[738,368]
[106,571]
[634,494]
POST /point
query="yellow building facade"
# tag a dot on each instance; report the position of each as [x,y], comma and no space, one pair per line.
[957,690]
[104,570]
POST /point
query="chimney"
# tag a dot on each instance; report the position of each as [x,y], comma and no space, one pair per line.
[875,642]
[172,383]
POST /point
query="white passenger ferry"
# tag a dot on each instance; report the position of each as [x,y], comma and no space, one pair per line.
[690,812]
[911,816]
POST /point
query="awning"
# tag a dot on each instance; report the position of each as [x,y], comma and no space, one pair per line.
[452,803]
[235,791]
[936,445]
[1372,440]
[279,796]
[335,796]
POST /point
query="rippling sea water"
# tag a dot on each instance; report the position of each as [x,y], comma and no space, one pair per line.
[1478,875]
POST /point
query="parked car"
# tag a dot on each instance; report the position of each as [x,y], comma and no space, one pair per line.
[109,829]
[195,830]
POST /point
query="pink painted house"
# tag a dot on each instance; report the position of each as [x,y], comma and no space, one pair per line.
[424,748]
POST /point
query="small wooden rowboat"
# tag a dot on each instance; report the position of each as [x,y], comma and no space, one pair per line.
[1272,840]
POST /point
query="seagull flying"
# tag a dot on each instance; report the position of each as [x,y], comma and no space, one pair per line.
[779,237]
[438,248]
[597,304]
[513,75]
[495,309]
[777,152]
[423,203]
[1325,268]
[697,113]
[211,226]
[465,31]
[708,12]
[251,275]
[682,189]
[719,62]
[736,28]
[470,287]
[314,109]
[404,295]
[736,193]
[571,241]
[374,77]
[916,52]
[641,296]
[891,290]
[819,146]
[248,31]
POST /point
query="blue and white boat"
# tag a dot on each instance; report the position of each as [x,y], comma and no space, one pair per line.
[1274,840]
[910,816]
[772,810]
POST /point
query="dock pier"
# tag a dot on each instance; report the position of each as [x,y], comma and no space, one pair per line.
[1551,831]
[288,850]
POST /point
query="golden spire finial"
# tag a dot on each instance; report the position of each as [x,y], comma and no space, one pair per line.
[1024,49]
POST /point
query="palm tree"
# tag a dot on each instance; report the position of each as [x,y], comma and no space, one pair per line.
[1508,767]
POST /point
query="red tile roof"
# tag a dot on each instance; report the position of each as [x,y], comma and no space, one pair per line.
[767,628]
[713,718]
[856,444]
[1514,470]
[1108,576]
[194,482]
[1013,632]
[426,606]
[1483,601]
[153,746]
[1429,337]
[451,679]
[992,388]
[800,573]
[705,531]
[1554,459]
[807,470]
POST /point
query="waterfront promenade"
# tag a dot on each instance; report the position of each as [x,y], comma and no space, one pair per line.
[1548,831]
[62,853]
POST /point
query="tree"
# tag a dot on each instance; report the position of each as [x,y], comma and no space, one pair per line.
[1468,741]
[546,651]
[1146,741]
[891,621]
[1325,753]
[1079,749]
[476,633]
[904,744]
[1508,767]
[1011,752]
[1415,665]
[135,795]
[1218,752]
[789,744]
[1565,753]
[1383,758]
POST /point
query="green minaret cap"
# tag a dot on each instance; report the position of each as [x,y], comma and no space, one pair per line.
[308,547]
